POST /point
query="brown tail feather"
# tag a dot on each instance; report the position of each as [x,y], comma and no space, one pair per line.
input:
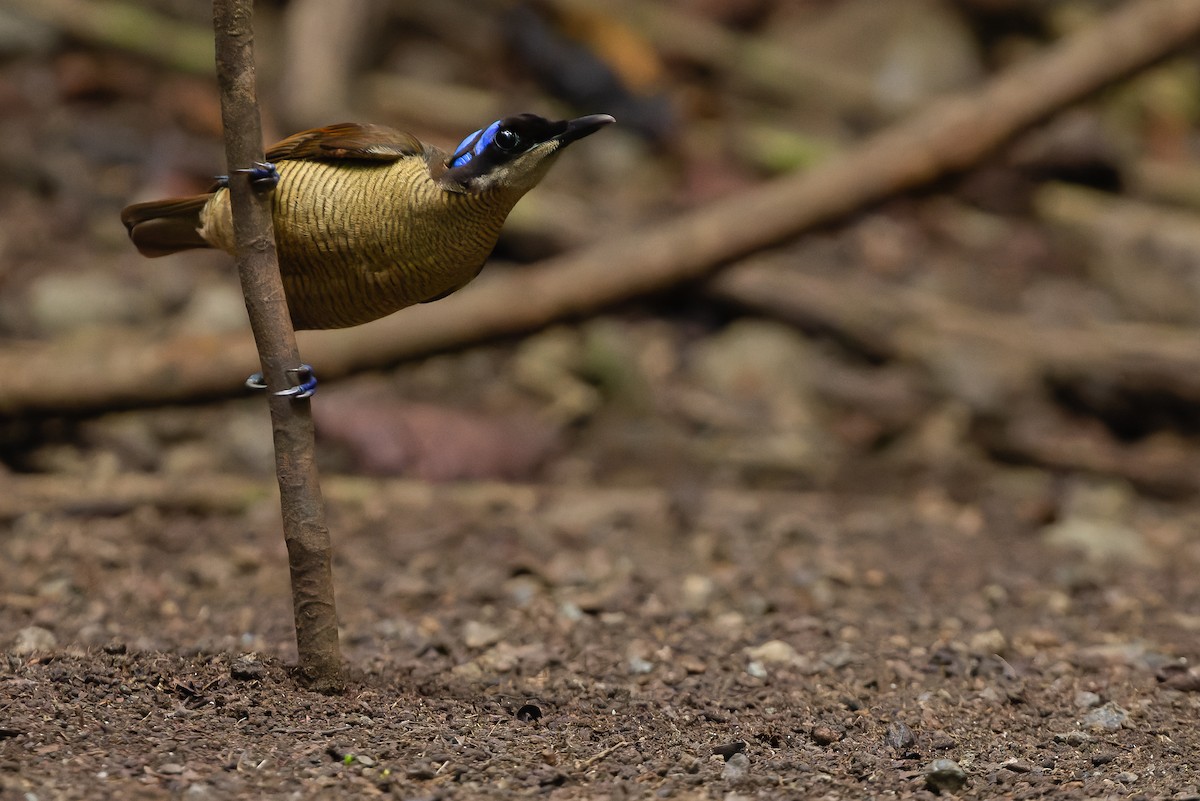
[161,227]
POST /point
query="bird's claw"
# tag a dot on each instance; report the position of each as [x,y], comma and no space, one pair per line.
[306,383]
[263,177]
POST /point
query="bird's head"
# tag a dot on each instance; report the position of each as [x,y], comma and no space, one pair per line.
[514,153]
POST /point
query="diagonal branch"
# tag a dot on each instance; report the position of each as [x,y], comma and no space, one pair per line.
[304,527]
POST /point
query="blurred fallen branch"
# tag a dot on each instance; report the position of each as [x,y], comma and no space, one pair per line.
[1145,256]
[127,26]
[206,494]
[1001,364]
[919,327]
[209,493]
[948,136]
[1039,433]
[1042,437]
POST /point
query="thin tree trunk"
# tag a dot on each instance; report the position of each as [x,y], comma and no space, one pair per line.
[309,550]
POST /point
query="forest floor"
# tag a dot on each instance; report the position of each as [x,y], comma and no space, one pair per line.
[517,641]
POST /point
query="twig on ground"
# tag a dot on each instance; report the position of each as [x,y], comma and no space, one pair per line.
[309,551]
[594,758]
[949,136]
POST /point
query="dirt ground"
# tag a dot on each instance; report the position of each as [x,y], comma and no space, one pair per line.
[514,641]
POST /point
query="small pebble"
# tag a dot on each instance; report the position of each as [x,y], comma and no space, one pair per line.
[1184,680]
[697,592]
[756,669]
[1086,700]
[1109,717]
[480,635]
[422,771]
[247,669]
[899,736]
[33,639]
[730,622]
[529,713]
[988,642]
[736,767]
[1126,777]
[940,741]
[773,652]
[945,775]
[726,750]
[824,734]
[638,666]
[571,612]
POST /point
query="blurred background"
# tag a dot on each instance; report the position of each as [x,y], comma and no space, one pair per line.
[993,379]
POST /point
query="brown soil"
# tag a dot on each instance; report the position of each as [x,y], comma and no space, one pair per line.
[513,642]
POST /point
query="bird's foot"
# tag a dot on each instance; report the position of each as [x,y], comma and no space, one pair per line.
[305,380]
[263,177]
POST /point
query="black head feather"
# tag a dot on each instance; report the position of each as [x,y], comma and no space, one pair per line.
[508,139]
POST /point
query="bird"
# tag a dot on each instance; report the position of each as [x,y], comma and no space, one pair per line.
[369,219]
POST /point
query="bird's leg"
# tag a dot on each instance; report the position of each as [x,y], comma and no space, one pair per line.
[303,376]
[263,177]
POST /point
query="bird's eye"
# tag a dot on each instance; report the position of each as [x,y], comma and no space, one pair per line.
[506,140]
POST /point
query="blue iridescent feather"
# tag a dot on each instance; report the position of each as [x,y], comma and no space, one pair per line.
[474,144]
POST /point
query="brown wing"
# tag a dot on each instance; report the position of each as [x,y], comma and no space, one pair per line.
[348,140]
